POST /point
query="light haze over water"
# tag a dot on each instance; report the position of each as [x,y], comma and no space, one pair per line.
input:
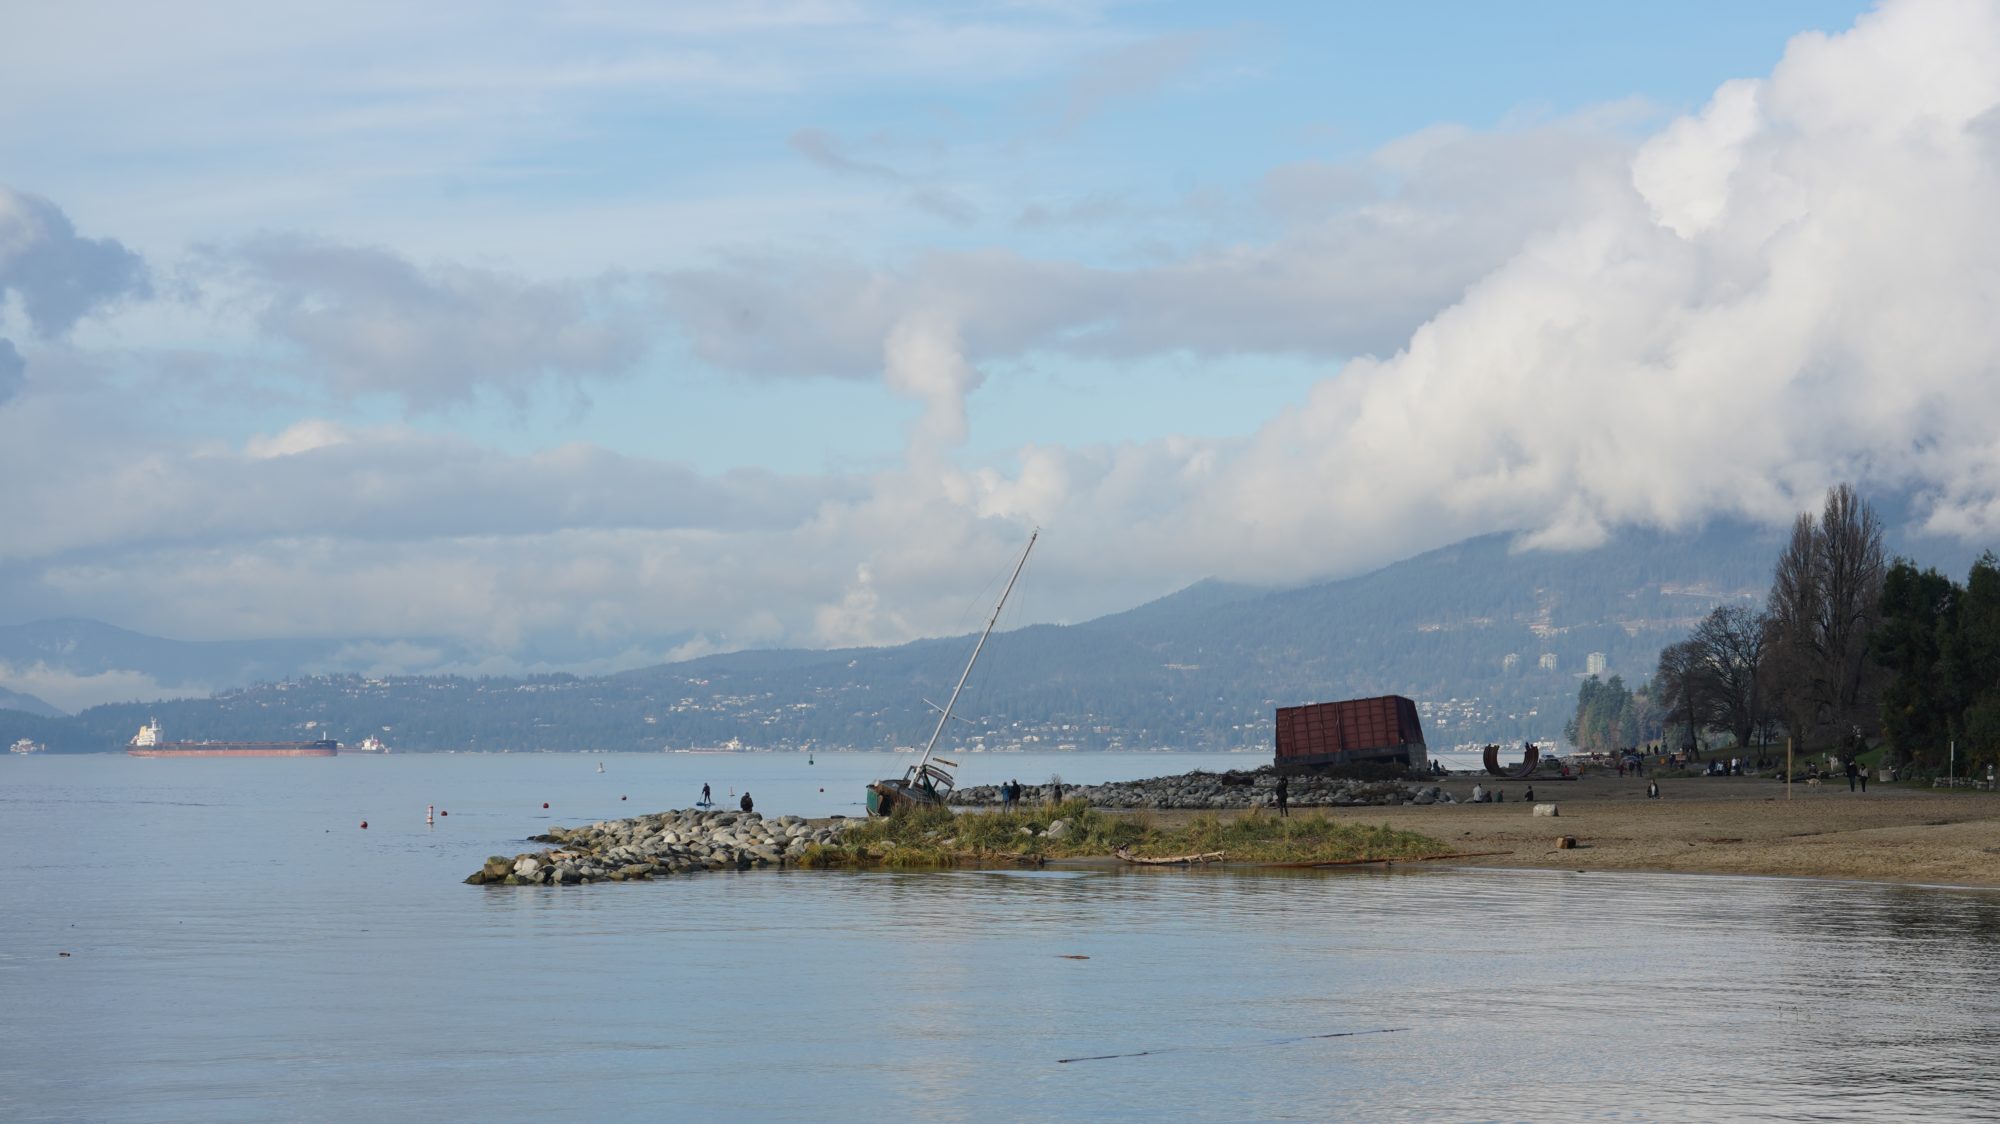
[241,950]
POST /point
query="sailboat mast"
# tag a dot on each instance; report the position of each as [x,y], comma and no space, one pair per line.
[945,715]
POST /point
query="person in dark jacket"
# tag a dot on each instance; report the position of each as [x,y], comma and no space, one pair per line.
[1853,773]
[1284,808]
[745,803]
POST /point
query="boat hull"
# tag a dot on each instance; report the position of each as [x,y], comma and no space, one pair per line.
[236,749]
[893,797]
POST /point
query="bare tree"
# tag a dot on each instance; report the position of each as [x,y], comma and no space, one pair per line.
[1825,600]
[1683,682]
[1729,645]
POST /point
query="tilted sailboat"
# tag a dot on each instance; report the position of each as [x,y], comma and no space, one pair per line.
[928,783]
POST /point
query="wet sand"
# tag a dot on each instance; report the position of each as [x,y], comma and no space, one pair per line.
[1717,825]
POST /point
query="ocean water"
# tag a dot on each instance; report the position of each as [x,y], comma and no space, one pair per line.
[241,950]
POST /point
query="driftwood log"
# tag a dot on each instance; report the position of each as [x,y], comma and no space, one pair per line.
[1125,855]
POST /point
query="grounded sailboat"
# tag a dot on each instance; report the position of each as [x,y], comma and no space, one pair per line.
[928,783]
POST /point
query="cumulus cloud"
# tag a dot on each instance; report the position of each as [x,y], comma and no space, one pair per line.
[369,321]
[59,276]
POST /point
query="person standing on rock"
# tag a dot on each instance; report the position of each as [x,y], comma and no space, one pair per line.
[1284,808]
[745,803]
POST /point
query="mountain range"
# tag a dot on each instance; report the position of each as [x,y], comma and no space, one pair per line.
[1491,640]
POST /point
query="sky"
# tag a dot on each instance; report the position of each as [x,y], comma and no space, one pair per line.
[593,335]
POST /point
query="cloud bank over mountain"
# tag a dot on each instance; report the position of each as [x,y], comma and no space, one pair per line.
[1563,325]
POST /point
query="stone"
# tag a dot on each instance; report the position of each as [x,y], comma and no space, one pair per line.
[1057,829]
[498,866]
[1547,810]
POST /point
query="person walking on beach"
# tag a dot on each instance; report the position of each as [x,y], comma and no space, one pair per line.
[1853,773]
[1283,808]
[745,803]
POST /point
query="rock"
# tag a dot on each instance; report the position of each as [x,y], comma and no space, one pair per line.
[1057,829]
[528,868]
[498,867]
[1547,810]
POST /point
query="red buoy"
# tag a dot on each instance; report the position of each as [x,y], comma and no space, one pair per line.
[444,813]
[364,825]
[545,803]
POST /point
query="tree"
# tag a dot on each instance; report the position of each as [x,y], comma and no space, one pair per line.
[1607,717]
[1824,605]
[1683,683]
[1729,644]
[1917,641]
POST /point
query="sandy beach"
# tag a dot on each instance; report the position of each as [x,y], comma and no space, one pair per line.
[1717,825]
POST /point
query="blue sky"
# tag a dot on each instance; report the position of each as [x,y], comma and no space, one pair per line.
[654,330]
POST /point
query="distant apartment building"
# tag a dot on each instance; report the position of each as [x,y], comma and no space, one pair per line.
[1510,661]
[1548,661]
[1596,663]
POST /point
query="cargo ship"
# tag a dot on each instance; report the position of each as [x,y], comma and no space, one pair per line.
[147,743]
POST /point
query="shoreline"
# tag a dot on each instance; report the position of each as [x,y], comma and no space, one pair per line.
[1732,826]
[1891,834]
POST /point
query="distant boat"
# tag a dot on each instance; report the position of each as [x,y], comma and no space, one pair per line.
[600,766]
[928,783]
[23,745]
[370,744]
[147,743]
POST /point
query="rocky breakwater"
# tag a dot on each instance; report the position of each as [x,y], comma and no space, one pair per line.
[1237,789]
[679,842]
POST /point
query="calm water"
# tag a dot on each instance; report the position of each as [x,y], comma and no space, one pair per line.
[242,951]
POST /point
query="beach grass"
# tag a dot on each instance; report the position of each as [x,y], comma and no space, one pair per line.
[937,837]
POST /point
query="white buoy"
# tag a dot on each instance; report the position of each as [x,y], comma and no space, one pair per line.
[430,813]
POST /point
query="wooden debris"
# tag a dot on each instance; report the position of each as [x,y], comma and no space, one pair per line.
[1125,855]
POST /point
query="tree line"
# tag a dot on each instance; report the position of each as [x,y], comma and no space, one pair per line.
[1849,650]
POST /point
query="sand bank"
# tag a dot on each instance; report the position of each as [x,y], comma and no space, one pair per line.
[1717,825]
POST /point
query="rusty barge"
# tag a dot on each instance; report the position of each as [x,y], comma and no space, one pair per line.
[1378,731]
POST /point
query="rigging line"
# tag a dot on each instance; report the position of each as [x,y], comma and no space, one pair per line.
[1237,1046]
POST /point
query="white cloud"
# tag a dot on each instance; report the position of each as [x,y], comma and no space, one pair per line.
[58,276]
[370,322]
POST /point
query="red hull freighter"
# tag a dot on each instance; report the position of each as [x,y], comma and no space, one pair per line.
[147,743]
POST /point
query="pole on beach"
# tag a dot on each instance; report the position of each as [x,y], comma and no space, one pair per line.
[1788,767]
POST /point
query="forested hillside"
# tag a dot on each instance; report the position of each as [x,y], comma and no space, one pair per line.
[1490,641]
